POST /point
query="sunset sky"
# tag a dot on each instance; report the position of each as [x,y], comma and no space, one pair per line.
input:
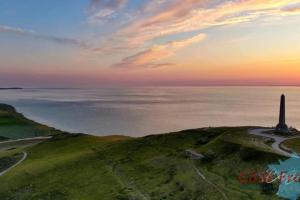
[63,43]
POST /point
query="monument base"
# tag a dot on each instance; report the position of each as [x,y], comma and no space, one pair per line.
[282,128]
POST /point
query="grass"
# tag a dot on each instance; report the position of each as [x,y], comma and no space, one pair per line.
[14,125]
[293,144]
[153,167]
[69,166]
[84,167]
[3,138]
[7,161]
[247,140]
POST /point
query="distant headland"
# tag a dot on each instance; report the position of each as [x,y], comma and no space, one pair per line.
[11,88]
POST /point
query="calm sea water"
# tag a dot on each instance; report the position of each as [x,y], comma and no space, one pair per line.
[142,111]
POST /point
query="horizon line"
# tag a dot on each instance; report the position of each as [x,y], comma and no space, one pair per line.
[136,86]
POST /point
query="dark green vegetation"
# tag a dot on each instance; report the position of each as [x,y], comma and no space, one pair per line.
[293,144]
[3,138]
[8,161]
[86,167]
[14,125]
[152,167]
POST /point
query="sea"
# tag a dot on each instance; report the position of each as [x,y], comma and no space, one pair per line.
[140,111]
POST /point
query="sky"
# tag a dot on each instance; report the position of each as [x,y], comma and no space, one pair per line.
[94,43]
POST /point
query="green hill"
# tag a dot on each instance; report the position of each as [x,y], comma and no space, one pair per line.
[14,125]
[293,144]
[3,138]
[84,167]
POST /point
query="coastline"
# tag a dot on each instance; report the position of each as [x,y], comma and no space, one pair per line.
[139,112]
[12,88]
[124,167]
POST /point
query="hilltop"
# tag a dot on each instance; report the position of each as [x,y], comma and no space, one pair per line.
[79,166]
[14,125]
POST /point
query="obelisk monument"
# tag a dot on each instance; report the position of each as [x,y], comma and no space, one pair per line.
[281,126]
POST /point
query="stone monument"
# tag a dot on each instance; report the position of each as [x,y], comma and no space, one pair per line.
[281,126]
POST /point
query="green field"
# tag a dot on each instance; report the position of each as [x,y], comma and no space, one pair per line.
[293,144]
[84,167]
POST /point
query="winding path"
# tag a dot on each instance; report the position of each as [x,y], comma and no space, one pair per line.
[258,132]
[278,139]
[24,153]
[19,162]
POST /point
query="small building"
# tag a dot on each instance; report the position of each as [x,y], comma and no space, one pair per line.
[193,155]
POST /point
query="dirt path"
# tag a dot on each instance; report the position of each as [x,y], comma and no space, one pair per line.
[126,183]
[19,162]
[210,183]
[278,139]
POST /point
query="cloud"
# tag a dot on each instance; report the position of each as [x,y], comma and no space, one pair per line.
[291,9]
[111,4]
[100,10]
[164,18]
[193,15]
[176,10]
[35,35]
[150,58]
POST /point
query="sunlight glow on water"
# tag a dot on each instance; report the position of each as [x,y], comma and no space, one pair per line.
[150,110]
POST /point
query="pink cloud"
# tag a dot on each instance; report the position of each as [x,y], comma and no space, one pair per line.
[168,17]
[152,56]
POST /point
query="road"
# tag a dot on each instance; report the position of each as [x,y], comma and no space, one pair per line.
[258,132]
[26,139]
[19,162]
[278,139]
[24,153]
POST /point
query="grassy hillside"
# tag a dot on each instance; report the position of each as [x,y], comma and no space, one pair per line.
[3,138]
[14,125]
[82,167]
[293,144]
[7,161]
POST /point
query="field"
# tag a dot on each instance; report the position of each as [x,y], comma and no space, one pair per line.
[84,167]
[293,144]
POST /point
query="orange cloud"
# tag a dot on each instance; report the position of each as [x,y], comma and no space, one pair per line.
[191,15]
[168,17]
[293,9]
[151,56]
